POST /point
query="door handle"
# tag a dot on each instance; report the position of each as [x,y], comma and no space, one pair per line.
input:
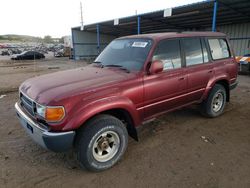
[210,71]
[182,78]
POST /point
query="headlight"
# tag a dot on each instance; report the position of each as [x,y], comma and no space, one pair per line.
[40,110]
[50,113]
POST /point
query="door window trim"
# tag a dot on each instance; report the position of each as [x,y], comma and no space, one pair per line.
[204,45]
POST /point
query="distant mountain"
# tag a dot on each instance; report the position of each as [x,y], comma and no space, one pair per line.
[27,38]
[21,38]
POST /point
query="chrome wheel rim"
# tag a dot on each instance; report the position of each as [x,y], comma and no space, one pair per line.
[106,146]
[217,103]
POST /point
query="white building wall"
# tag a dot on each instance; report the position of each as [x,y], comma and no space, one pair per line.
[67,41]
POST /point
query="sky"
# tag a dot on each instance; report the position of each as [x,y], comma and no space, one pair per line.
[57,17]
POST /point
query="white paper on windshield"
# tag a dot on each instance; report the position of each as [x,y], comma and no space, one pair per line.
[139,44]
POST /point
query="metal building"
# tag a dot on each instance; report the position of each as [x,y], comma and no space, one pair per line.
[228,16]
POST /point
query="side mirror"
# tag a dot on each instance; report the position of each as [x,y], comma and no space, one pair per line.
[156,66]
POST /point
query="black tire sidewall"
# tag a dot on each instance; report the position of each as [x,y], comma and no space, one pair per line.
[91,133]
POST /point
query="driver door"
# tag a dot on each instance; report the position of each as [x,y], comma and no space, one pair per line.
[163,91]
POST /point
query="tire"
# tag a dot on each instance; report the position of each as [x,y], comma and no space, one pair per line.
[215,103]
[101,143]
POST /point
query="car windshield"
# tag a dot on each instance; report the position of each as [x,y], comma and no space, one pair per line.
[127,53]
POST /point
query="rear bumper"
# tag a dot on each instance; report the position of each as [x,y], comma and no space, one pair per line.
[233,85]
[54,141]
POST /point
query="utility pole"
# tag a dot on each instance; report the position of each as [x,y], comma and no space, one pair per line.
[82,27]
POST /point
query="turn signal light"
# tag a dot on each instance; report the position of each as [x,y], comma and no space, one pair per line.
[54,114]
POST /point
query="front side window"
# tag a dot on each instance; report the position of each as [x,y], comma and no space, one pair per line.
[168,52]
[219,48]
[129,53]
[193,51]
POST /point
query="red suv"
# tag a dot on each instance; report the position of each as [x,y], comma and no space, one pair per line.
[134,80]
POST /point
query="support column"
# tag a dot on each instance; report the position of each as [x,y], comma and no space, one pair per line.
[214,16]
[73,45]
[138,25]
[98,37]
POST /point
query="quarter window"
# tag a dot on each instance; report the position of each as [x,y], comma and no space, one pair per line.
[193,51]
[168,52]
[219,48]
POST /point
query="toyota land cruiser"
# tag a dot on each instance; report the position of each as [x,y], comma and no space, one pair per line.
[135,79]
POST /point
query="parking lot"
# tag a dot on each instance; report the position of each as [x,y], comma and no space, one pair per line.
[179,149]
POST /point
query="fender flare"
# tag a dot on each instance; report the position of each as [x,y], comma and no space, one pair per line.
[211,83]
[85,112]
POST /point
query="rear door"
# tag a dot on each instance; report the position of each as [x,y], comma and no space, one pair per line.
[163,91]
[198,67]
[223,60]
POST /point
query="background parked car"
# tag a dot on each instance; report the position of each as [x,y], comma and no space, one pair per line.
[26,55]
[244,63]
[59,53]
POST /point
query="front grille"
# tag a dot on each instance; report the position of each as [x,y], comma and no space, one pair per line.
[27,104]
[30,106]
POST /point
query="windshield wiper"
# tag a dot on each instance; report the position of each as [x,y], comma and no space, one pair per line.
[119,66]
[113,65]
[99,63]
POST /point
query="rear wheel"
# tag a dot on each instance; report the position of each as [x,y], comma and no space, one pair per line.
[101,143]
[214,105]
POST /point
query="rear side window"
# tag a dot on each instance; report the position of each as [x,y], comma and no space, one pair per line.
[193,51]
[168,52]
[219,48]
[204,50]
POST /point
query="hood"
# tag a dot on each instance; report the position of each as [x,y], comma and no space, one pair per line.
[55,86]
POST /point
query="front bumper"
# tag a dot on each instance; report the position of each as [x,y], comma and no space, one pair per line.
[55,141]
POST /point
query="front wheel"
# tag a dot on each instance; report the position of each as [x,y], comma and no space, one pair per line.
[101,143]
[214,105]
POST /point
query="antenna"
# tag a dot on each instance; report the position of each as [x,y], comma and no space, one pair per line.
[82,26]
